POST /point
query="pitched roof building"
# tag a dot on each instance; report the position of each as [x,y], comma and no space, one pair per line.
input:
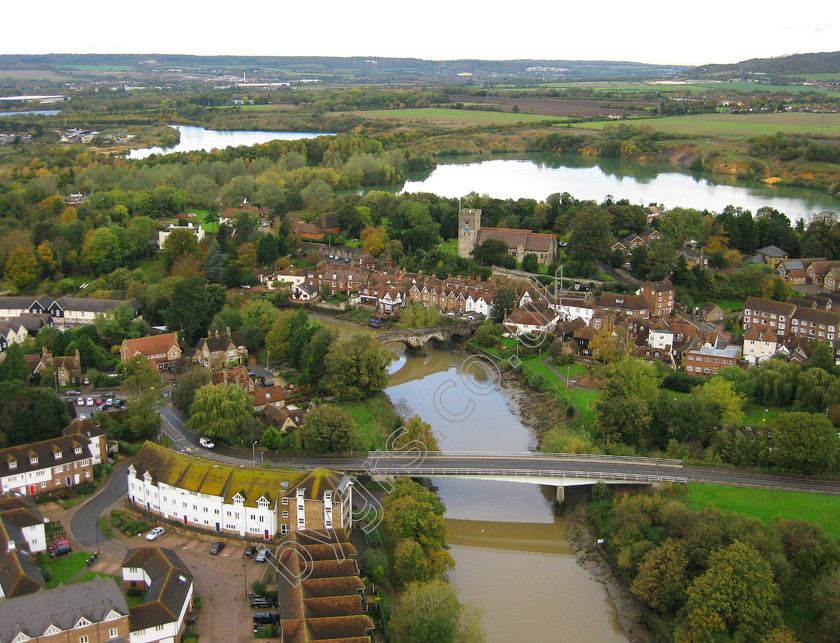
[163,350]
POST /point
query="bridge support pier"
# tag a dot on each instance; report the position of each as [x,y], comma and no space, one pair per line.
[560,495]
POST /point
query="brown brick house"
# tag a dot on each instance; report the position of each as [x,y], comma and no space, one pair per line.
[163,350]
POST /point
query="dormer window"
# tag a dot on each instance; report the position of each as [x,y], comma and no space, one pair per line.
[13,464]
[78,450]
[33,459]
[57,455]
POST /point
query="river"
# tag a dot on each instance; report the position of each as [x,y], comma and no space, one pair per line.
[511,550]
[198,138]
[536,176]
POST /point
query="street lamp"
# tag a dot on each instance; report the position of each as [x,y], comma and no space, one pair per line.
[254,452]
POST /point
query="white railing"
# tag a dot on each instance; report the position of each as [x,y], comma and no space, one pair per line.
[546,473]
[530,454]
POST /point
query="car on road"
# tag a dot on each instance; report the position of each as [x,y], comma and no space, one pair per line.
[250,552]
[216,547]
[256,600]
[207,443]
[61,550]
[89,401]
[262,555]
[72,393]
[80,401]
[155,533]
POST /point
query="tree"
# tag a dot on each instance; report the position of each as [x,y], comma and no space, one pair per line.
[268,249]
[315,356]
[189,313]
[493,252]
[504,301]
[804,443]
[591,235]
[374,240]
[188,383]
[271,439]
[530,263]
[214,264]
[827,601]
[247,254]
[735,597]
[220,411]
[622,420]
[721,397]
[356,369]
[777,288]
[118,324]
[822,357]
[30,414]
[13,367]
[141,374]
[415,315]
[22,266]
[632,376]
[179,242]
[416,431]
[431,613]
[663,577]
[328,429]
[281,331]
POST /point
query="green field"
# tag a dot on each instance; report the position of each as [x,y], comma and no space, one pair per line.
[267,108]
[730,304]
[64,568]
[201,215]
[767,505]
[454,116]
[373,418]
[152,269]
[738,126]
[755,415]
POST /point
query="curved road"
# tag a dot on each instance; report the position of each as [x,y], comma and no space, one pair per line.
[85,522]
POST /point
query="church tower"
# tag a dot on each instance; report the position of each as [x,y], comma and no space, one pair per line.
[469,223]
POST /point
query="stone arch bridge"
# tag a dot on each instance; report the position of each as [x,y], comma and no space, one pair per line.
[417,337]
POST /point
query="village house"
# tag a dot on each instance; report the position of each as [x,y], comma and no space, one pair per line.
[11,333]
[630,305]
[633,241]
[711,313]
[661,336]
[221,351]
[162,350]
[196,230]
[19,575]
[260,503]
[267,396]
[772,255]
[659,296]
[795,271]
[64,311]
[767,314]
[274,279]
[167,584]
[693,257]
[23,523]
[238,376]
[831,283]
[66,370]
[759,346]
[814,324]
[709,359]
[95,610]
[58,463]
[817,271]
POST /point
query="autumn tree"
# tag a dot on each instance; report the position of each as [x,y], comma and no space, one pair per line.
[736,597]
[418,433]
[374,240]
[721,397]
[140,374]
[22,266]
[431,611]
[663,577]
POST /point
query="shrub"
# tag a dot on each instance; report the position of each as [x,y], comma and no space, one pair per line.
[258,587]
[46,571]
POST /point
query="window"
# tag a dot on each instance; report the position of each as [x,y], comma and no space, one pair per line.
[13,465]
[113,633]
[77,451]
[84,638]
[285,501]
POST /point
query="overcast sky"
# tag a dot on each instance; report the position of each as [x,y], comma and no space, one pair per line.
[654,31]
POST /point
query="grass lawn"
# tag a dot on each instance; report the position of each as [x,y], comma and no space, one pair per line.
[739,126]
[373,418]
[754,413]
[64,568]
[767,504]
[454,116]
[730,304]
[91,575]
[152,269]
[201,215]
[450,246]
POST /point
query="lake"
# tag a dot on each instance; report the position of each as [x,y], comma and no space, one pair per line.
[197,138]
[37,112]
[536,176]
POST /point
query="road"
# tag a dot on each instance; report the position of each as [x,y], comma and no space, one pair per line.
[84,524]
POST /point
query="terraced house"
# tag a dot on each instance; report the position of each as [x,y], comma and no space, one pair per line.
[64,311]
[61,462]
[258,503]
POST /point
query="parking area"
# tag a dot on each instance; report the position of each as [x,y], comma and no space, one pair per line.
[222,582]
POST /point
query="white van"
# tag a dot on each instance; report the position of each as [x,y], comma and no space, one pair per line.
[207,443]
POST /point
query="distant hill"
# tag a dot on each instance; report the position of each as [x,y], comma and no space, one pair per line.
[795,64]
[351,68]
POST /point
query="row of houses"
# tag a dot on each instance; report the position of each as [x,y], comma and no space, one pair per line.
[216,351]
[63,312]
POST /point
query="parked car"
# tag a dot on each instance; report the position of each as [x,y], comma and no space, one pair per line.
[61,550]
[207,443]
[89,401]
[108,394]
[98,401]
[73,393]
[58,543]
[155,533]
[262,555]
[80,401]
[86,381]
[84,416]
[250,552]
[255,600]
[266,618]
[216,547]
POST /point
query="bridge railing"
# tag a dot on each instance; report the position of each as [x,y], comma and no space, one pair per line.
[531,454]
[531,473]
